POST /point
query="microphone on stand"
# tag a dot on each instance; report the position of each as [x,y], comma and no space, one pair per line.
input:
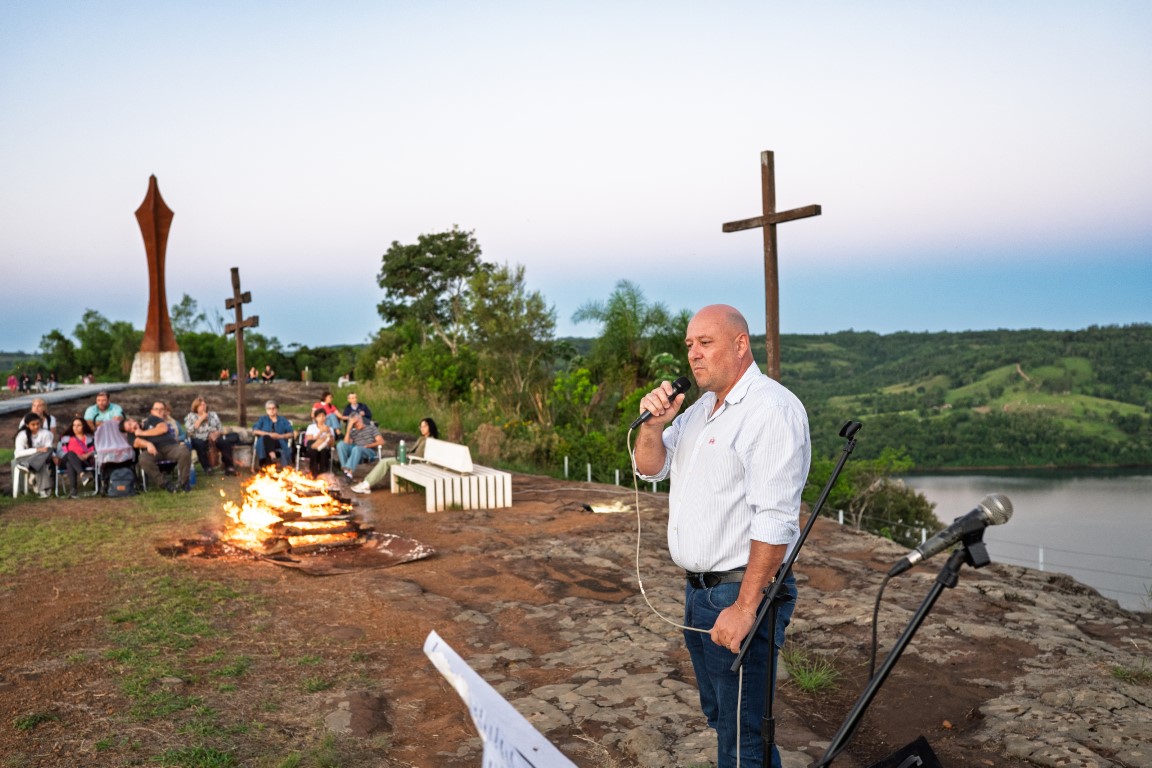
[993,510]
[679,387]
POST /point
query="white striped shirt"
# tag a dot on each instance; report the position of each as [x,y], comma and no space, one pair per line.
[737,474]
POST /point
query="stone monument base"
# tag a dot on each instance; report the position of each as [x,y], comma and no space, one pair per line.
[159,368]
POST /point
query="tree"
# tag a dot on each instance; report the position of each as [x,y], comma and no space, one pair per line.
[633,333]
[106,348]
[59,354]
[873,498]
[512,329]
[186,316]
[426,282]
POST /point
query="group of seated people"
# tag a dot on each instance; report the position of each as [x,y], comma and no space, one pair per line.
[25,383]
[350,434]
[103,436]
[267,376]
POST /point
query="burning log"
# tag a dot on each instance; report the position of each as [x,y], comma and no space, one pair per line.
[305,529]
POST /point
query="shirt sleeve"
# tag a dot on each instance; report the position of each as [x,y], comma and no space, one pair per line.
[776,468]
[671,438]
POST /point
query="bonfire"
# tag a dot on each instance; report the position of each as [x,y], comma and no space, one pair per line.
[283,510]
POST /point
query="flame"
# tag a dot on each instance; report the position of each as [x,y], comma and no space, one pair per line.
[283,495]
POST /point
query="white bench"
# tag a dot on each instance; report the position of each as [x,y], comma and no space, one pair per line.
[451,480]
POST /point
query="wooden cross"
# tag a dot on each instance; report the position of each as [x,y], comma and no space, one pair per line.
[768,221]
[236,302]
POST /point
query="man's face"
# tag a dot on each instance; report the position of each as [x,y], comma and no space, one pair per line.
[352,400]
[715,350]
[102,401]
[131,425]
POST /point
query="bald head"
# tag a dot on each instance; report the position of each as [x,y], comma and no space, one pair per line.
[726,316]
[718,348]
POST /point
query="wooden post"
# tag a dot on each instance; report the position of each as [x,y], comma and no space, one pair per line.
[768,221]
[236,302]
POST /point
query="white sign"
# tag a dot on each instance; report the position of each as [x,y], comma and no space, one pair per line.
[510,741]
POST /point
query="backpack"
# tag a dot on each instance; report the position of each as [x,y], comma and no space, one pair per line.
[121,482]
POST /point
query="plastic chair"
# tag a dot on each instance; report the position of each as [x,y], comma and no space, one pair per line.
[21,478]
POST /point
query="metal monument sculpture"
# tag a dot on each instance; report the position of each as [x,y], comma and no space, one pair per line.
[237,303]
[159,360]
[768,221]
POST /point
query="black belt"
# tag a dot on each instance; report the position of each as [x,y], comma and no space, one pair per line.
[712,578]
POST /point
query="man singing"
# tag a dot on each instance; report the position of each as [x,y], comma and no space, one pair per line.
[738,458]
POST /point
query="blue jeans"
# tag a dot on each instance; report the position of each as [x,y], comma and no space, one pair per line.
[352,454]
[718,685]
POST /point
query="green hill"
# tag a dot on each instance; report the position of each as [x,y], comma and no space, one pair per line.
[1001,398]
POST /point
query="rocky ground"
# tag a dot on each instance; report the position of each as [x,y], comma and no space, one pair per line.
[1013,667]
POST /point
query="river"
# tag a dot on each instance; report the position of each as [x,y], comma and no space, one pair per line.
[1096,528]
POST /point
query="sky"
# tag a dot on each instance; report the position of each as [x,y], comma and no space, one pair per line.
[979,165]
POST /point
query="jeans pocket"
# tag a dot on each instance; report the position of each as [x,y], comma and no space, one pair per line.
[723,596]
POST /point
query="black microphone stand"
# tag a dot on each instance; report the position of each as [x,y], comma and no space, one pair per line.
[973,552]
[769,607]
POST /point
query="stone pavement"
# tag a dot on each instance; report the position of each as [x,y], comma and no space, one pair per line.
[1037,648]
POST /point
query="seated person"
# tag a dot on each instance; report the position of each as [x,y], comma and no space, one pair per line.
[113,448]
[177,427]
[204,429]
[77,454]
[253,375]
[379,474]
[319,440]
[225,376]
[40,408]
[273,435]
[355,406]
[103,410]
[34,450]
[359,444]
[268,376]
[159,441]
[332,415]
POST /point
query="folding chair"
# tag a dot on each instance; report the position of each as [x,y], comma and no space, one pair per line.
[87,470]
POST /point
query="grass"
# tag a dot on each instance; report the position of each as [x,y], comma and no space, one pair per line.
[113,530]
[164,616]
[30,721]
[196,757]
[811,674]
[1141,674]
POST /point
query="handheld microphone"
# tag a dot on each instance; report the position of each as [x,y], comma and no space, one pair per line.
[993,510]
[679,387]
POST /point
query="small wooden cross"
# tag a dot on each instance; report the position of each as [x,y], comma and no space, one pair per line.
[236,302]
[768,221]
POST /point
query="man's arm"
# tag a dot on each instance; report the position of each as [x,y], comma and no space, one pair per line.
[155,431]
[650,450]
[735,621]
[139,442]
